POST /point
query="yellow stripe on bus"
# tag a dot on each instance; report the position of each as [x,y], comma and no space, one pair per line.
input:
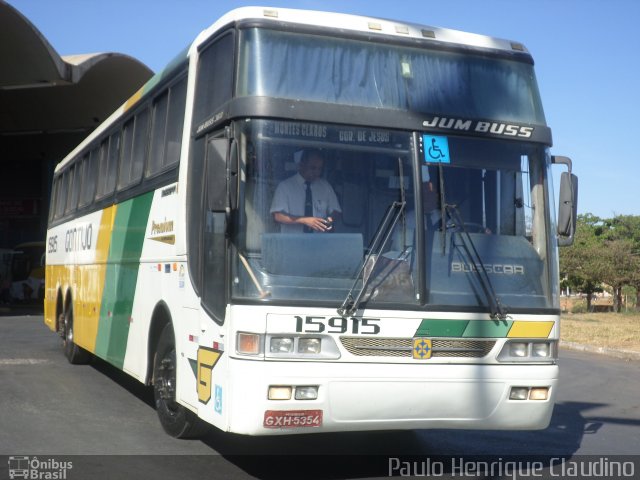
[52,275]
[91,286]
[133,99]
[521,329]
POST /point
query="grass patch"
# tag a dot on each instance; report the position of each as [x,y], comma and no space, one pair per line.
[611,330]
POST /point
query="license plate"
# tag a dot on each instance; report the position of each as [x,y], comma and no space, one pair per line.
[292,418]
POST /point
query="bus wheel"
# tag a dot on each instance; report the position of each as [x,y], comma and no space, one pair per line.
[176,420]
[75,354]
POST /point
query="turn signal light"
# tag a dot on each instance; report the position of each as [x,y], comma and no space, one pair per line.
[249,343]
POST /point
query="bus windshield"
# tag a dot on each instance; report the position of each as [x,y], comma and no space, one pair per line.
[352,72]
[440,225]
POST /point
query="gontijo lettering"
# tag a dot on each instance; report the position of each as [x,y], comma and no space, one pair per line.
[78,238]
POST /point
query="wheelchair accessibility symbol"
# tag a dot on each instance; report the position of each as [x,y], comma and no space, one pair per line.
[436,149]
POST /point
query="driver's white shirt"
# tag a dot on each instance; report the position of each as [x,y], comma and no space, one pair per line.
[290,197]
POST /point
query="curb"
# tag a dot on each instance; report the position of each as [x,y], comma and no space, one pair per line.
[622,354]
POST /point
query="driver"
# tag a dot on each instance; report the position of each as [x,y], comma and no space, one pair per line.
[306,202]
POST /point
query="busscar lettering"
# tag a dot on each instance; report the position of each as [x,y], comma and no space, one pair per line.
[496,269]
[465,125]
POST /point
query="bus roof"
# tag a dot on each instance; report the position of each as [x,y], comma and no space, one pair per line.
[357,23]
[340,21]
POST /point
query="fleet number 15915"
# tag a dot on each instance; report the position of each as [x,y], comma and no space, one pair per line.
[363,326]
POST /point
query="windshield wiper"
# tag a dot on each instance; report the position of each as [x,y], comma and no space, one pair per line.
[377,245]
[443,209]
[498,310]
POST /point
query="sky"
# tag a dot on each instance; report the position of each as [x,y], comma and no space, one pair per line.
[586,52]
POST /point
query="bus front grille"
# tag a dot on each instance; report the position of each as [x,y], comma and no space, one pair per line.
[402,347]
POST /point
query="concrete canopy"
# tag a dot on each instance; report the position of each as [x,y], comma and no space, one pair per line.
[42,92]
[48,104]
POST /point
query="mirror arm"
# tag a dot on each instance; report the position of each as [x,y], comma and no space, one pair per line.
[559,160]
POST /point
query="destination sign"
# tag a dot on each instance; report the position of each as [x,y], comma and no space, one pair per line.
[337,134]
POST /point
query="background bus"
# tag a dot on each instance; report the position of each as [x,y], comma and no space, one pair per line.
[433,302]
[24,279]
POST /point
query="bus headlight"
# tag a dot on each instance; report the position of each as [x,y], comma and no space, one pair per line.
[518,349]
[529,351]
[309,345]
[281,345]
[301,346]
[541,350]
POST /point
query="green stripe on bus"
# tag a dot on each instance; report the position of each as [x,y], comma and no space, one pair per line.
[488,329]
[128,234]
[441,328]
[464,328]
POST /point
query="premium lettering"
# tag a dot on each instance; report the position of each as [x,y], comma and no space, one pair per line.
[162,227]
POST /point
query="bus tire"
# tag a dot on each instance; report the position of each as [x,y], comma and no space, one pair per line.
[75,354]
[176,420]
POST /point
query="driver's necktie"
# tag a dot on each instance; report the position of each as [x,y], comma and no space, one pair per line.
[308,204]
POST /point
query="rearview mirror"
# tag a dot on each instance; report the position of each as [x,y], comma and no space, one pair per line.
[568,206]
[217,195]
[222,175]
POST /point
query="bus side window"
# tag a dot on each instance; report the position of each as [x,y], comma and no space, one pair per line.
[140,138]
[61,195]
[102,167]
[72,189]
[112,163]
[215,77]
[175,122]
[124,170]
[54,198]
[135,135]
[158,129]
[88,189]
[166,129]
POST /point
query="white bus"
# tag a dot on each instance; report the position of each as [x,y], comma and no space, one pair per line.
[430,300]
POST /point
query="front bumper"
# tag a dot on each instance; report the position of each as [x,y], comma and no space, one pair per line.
[358,397]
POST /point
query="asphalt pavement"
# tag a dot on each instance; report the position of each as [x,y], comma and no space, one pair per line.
[103,422]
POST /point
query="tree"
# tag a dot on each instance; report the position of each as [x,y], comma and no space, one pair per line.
[604,251]
[619,268]
[582,264]
[622,239]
